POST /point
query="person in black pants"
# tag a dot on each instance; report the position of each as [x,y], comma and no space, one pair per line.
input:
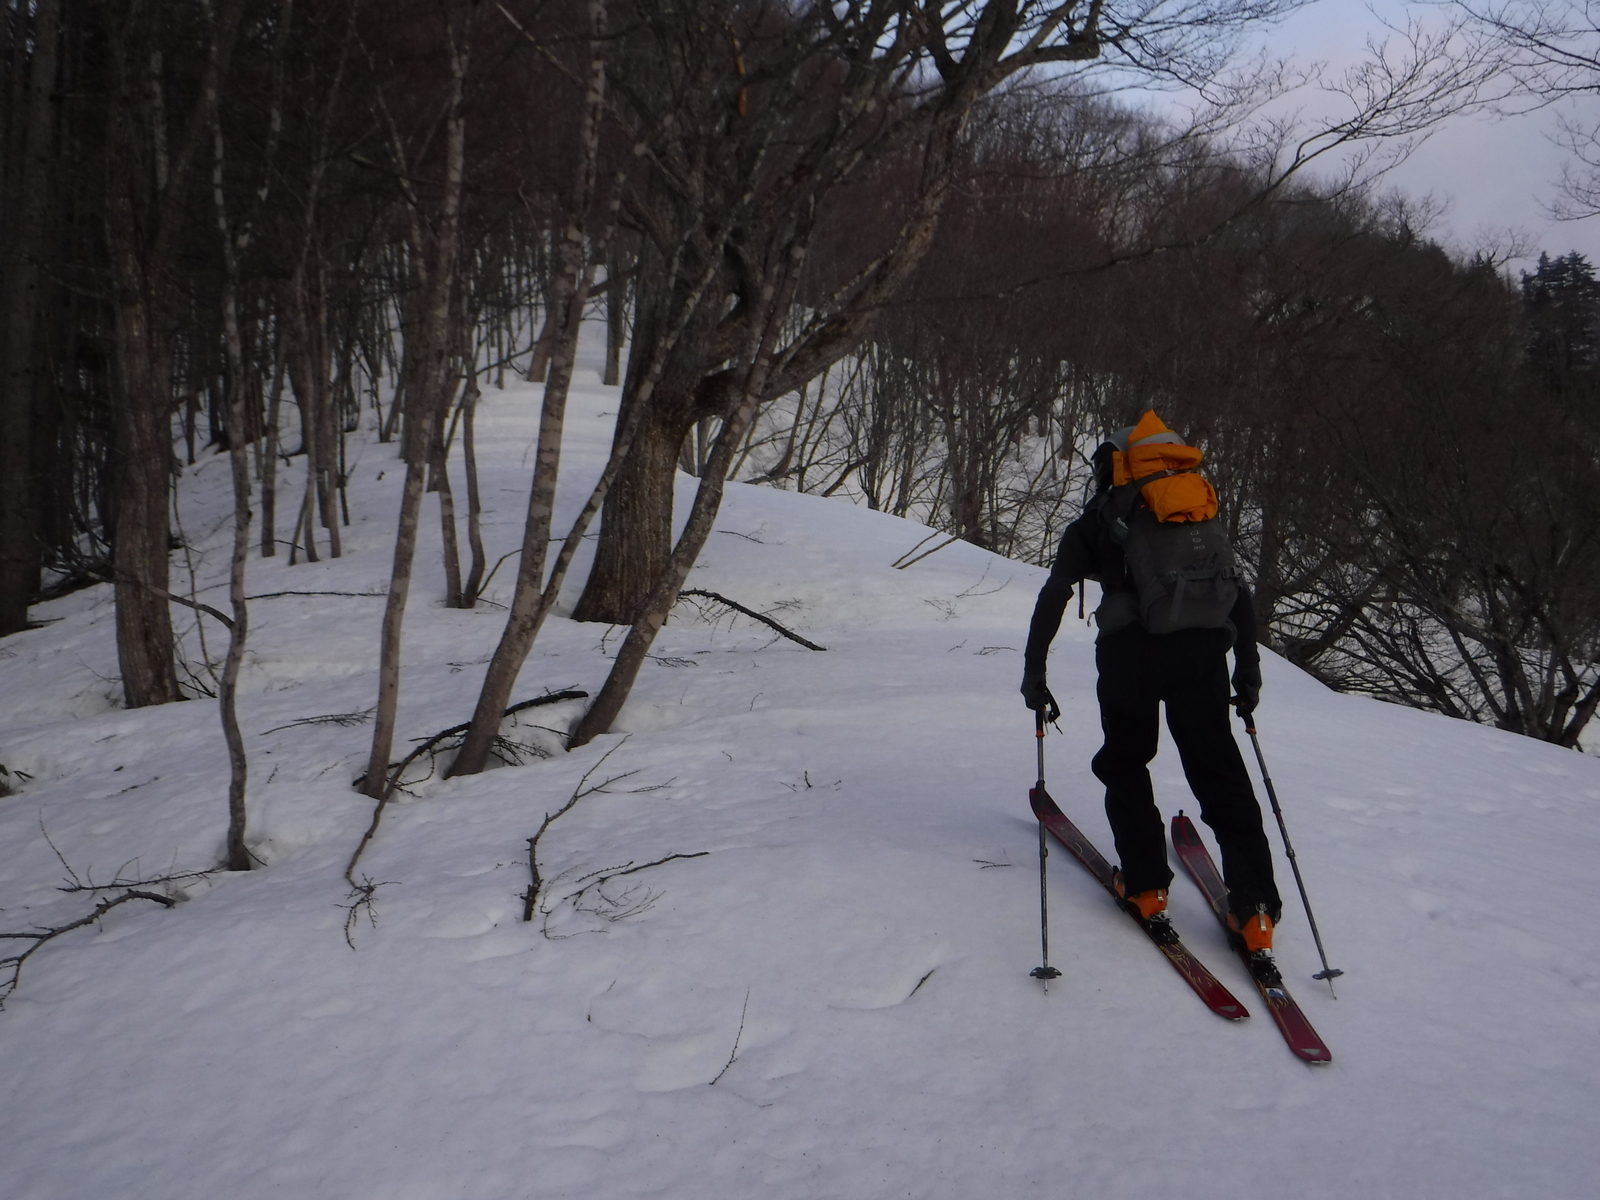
[1186,670]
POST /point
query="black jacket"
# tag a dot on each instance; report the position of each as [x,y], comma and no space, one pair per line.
[1087,552]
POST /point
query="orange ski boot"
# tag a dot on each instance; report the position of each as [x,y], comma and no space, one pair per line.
[1254,931]
[1149,906]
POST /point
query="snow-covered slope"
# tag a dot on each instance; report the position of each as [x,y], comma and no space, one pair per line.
[856,937]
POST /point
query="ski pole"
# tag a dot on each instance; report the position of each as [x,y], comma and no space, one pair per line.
[1046,972]
[1327,973]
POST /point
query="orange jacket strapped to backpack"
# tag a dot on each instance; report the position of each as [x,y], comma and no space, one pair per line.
[1175,493]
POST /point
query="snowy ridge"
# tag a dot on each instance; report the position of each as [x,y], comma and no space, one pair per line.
[834,1000]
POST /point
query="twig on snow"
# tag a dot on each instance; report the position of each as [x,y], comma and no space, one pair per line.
[973,590]
[355,595]
[530,898]
[342,719]
[896,563]
[904,561]
[740,1034]
[432,744]
[765,620]
[610,908]
[78,884]
[360,898]
[11,965]
[922,981]
[396,773]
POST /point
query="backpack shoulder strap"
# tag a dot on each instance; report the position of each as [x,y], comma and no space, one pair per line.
[1117,505]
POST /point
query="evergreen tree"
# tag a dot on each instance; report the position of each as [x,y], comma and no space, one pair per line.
[1561,306]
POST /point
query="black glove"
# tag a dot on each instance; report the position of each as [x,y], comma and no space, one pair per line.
[1246,687]
[1037,696]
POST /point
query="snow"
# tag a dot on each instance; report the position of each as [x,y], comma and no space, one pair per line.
[856,937]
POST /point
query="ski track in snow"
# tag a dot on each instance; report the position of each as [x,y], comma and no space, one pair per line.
[868,904]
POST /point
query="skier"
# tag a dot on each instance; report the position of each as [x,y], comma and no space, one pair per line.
[1182,663]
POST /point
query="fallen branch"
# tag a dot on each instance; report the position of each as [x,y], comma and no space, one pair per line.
[12,964]
[119,881]
[360,898]
[356,595]
[901,563]
[396,772]
[342,719]
[608,908]
[179,877]
[616,909]
[530,898]
[740,1034]
[123,577]
[896,563]
[482,587]
[765,620]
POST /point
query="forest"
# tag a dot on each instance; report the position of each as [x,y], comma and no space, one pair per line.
[918,256]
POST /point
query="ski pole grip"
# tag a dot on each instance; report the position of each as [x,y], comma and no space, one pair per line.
[1038,722]
[1249,718]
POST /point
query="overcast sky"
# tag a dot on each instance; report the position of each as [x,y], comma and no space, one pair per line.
[1496,174]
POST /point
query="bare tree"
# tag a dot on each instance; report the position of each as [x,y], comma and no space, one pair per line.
[899,89]
[901,85]
[33,135]
[148,174]
[234,238]
[1550,53]
[434,243]
[570,294]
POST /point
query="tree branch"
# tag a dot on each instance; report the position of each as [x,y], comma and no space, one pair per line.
[765,620]
[13,963]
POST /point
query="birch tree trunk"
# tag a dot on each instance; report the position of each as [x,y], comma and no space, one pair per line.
[527,612]
[327,444]
[429,348]
[238,857]
[440,476]
[469,454]
[269,458]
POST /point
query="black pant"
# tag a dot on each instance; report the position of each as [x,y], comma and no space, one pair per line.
[1187,670]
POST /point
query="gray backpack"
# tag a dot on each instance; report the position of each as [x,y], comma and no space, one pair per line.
[1184,572]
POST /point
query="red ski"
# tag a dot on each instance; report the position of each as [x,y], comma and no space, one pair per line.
[1303,1040]
[1218,999]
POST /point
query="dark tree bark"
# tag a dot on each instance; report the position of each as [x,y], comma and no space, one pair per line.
[762,155]
[636,646]
[708,500]
[636,522]
[20,541]
[141,457]
[616,319]
[147,175]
